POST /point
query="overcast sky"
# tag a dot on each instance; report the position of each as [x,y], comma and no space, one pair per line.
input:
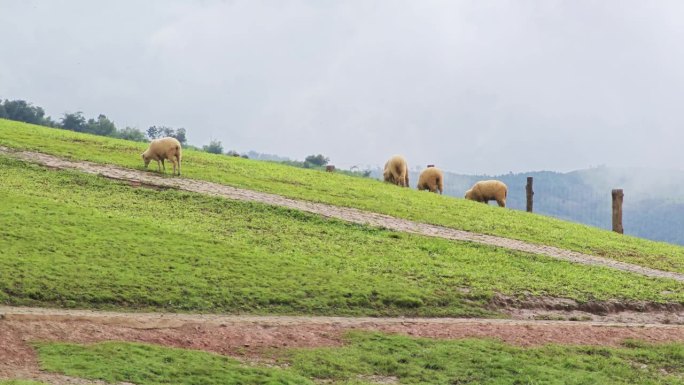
[471,86]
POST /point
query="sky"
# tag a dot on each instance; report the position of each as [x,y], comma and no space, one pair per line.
[485,87]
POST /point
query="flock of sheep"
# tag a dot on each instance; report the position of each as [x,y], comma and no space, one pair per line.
[396,172]
[432,179]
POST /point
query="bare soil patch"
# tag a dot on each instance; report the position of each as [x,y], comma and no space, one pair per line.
[549,308]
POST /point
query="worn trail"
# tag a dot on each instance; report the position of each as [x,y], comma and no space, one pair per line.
[330,211]
[248,337]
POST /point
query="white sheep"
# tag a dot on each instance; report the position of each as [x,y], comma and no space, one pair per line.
[431,179]
[486,190]
[396,171]
[164,148]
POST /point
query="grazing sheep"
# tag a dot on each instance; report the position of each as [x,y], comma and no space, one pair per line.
[431,179]
[396,171]
[486,190]
[164,148]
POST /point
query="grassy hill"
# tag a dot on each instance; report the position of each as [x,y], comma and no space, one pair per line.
[355,192]
[653,206]
[75,240]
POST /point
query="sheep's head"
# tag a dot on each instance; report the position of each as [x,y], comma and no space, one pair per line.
[469,194]
[145,159]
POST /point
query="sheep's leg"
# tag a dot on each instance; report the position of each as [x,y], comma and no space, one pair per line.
[163,166]
[173,160]
[179,164]
[158,166]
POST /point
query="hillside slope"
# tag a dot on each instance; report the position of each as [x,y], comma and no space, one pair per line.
[74,240]
[356,192]
[653,206]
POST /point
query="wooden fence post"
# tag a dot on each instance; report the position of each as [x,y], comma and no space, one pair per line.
[617,211]
[530,193]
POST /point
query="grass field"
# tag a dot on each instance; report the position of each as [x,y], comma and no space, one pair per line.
[370,357]
[75,240]
[356,192]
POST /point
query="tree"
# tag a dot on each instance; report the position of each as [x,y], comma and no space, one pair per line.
[130,133]
[214,147]
[47,121]
[74,122]
[22,111]
[155,132]
[101,126]
[317,160]
[180,135]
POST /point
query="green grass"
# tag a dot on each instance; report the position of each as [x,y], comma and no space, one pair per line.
[476,361]
[148,364]
[75,240]
[342,190]
[369,356]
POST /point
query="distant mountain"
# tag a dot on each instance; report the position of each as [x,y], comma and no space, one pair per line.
[653,204]
[260,156]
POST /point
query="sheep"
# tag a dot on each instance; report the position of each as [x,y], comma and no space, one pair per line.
[161,149]
[486,190]
[396,171]
[431,179]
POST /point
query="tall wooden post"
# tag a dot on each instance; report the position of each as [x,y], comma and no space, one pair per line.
[530,193]
[617,211]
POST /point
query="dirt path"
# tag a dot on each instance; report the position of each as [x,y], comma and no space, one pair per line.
[248,337]
[137,177]
[180,320]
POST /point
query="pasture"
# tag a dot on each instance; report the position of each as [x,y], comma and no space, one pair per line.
[76,240]
[343,190]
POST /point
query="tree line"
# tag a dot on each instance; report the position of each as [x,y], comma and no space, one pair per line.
[23,111]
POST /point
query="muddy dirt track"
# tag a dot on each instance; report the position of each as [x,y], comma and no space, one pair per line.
[141,178]
[246,337]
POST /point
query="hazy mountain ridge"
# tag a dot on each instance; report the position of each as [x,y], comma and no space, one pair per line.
[653,204]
